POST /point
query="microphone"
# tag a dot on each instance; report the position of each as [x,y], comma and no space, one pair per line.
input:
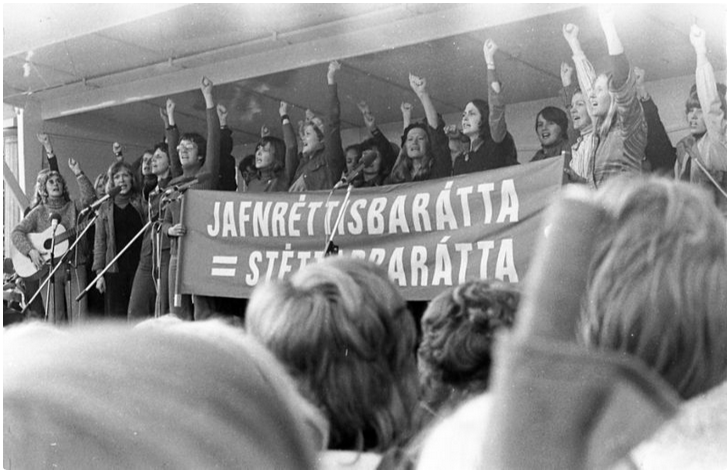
[55,219]
[109,194]
[182,187]
[366,160]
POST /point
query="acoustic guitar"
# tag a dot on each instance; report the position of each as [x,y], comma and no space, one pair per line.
[42,241]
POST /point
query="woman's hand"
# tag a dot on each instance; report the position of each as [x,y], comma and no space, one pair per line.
[334,66]
[46,141]
[567,72]
[75,167]
[283,109]
[101,285]
[35,257]
[298,186]
[489,48]
[116,148]
[163,115]
[697,39]
[178,230]
[419,85]
[571,33]
[222,114]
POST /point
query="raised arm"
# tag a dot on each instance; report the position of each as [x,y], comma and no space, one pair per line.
[212,156]
[335,157]
[406,109]
[620,65]
[289,138]
[227,161]
[584,70]
[52,161]
[714,151]
[171,132]
[659,151]
[568,91]
[88,194]
[381,141]
[419,86]
[497,113]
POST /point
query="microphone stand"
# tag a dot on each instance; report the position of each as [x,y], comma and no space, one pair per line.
[157,238]
[49,279]
[331,248]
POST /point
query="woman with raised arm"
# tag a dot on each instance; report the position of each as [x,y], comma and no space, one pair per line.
[619,122]
[581,128]
[321,161]
[149,294]
[424,152]
[376,150]
[270,160]
[197,156]
[54,199]
[701,156]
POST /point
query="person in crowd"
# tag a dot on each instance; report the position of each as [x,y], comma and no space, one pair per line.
[491,145]
[385,153]
[654,298]
[424,148]
[95,299]
[581,129]
[552,127]
[197,156]
[269,173]
[458,143]
[227,160]
[352,154]
[179,396]
[458,331]
[701,156]
[659,152]
[618,118]
[149,292]
[146,176]
[245,172]
[343,331]
[52,191]
[668,306]
[321,160]
[118,225]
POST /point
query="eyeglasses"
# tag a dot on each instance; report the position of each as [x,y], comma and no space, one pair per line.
[187,147]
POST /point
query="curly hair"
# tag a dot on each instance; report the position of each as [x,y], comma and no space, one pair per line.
[41,192]
[458,331]
[657,282]
[346,335]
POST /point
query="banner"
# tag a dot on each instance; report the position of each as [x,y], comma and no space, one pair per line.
[429,235]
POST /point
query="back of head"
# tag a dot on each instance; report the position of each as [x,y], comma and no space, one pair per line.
[345,334]
[458,331]
[112,397]
[657,282]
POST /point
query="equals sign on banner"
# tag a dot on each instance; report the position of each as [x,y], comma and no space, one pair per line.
[223,266]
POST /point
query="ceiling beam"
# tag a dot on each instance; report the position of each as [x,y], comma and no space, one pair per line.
[33,26]
[365,38]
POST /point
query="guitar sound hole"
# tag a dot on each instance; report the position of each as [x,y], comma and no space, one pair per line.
[47,244]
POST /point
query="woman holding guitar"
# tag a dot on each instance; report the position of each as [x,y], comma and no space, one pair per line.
[29,235]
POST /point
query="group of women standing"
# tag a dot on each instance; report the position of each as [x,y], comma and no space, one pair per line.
[606,136]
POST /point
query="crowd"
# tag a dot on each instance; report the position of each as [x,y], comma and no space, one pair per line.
[330,367]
